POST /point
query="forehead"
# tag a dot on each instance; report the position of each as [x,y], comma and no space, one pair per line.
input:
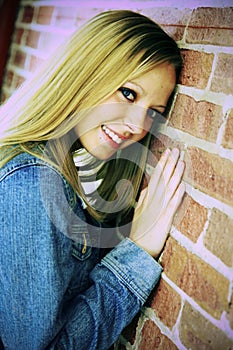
[163,71]
[160,80]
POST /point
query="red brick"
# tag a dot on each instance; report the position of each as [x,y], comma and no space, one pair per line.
[45,14]
[166,304]
[158,146]
[223,75]
[211,26]
[35,62]
[152,338]
[195,277]
[210,173]
[172,20]
[197,67]
[66,16]
[198,333]
[8,78]
[3,97]
[201,119]
[20,59]
[28,13]
[220,245]
[18,35]
[33,38]
[18,81]
[86,13]
[227,137]
[190,218]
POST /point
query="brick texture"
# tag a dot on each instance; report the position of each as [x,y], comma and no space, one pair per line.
[66,16]
[9,77]
[211,26]
[173,21]
[210,173]
[34,62]
[45,14]
[196,278]
[220,245]
[28,13]
[158,146]
[227,138]
[166,304]
[197,67]
[205,35]
[223,75]
[191,218]
[33,38]
[197,333]
[18,80]
[201,119]
[18,35]
[20,59]
[152,338]
[85,13]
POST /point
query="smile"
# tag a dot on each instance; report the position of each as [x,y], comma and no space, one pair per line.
[112,135]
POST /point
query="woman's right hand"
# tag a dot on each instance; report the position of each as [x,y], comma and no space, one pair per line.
[158,203]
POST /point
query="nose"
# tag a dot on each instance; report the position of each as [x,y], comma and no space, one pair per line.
[135,119]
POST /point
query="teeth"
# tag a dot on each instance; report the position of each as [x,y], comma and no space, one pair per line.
[111,134]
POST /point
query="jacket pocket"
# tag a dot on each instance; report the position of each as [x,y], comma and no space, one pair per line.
[82,251]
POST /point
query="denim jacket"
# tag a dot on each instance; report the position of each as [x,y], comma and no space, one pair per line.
[56,290]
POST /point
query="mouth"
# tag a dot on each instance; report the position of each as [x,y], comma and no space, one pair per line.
[112,135]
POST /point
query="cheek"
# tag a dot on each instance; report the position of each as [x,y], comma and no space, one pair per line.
[136,138]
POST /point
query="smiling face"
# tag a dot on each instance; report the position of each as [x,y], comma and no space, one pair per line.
[127,115]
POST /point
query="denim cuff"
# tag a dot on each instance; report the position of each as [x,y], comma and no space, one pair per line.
[134,268]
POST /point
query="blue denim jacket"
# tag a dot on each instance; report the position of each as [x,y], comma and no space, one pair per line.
[56,290]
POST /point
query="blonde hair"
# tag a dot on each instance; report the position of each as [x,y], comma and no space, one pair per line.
[85,70]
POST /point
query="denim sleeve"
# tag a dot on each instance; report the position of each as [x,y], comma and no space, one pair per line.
[121,284]
[35,271]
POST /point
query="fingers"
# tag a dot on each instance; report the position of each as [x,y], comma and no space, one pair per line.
[176,200]
[170,165]
[164,181]
[174,181]
[158,171]
[165,167]
[160,183]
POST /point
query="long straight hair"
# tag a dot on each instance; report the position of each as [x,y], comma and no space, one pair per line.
[97,60]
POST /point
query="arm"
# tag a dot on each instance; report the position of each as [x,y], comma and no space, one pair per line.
[36,268]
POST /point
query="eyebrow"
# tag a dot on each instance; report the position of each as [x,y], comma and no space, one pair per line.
[136,84]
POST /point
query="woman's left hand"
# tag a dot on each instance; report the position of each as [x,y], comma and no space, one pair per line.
[158,204]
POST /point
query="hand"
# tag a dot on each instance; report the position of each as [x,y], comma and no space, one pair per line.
[158,203]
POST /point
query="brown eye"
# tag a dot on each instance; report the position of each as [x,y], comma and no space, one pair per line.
[128,94]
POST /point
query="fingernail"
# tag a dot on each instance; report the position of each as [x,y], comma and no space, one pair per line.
[167,152]
[175,152]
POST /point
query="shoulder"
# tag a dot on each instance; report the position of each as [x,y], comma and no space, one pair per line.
[21,161]
[32,187]
[29,173]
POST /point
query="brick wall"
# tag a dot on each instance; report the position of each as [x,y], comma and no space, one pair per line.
[192,308]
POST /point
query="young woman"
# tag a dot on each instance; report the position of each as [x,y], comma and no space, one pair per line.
[85,119]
